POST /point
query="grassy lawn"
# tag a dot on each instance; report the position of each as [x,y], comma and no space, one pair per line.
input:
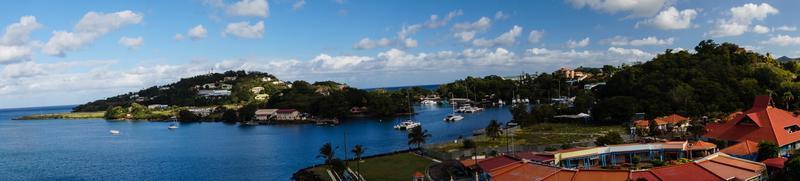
[392,167]
[540,134]
[71,115]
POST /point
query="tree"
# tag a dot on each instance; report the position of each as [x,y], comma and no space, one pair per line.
[767,150]
[792,166]
[610,138]
[418,136]
[229,116]
[653,125]
[247,112]
[187,116]
[358,150]
[468,144]
[493,129]
[326,152]
[787,98]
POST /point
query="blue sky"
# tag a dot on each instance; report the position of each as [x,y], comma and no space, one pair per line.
[70,52]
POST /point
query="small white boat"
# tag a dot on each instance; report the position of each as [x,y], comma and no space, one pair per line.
[173,126]
[454,117]
[114,132]
[408,124]
[429,102]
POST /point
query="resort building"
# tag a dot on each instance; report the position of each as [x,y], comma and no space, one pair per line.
[612,155]
[201,111]
[261,97]
[265,114]
[256,90]
[213,93]
[287,115]
[746,149]
[760,123]
[718,166]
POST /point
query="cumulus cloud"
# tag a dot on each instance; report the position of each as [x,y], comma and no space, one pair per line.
[92,26]
[636,8]
[506,39]
[647,41]
[671,19]
[786,28]
[298,5]
[577,44]
[131,43]
[197,33]
[500,15]
[535,36]
[245,30]
[782,40]
[741,18]
[367,43]
[466,31]
[15,45]
[249,8]
[760,29]
[18,33]
[435,22]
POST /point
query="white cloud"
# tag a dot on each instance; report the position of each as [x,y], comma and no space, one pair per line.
[131,43]
[506,39]
[760,29]
[409,43]
[577,44]
[647,41]
[434,21]
[18,33]
[501,16]
[636,8]
[741,18]
[479,25]
[178,37]
[407,31]
[786,28]
[92,26]
[465,35]
[245,30]
[13,54]
[782,40]
[535,36]
[252,8]
[671,19]
[197,33]
[298,5]
[366,43]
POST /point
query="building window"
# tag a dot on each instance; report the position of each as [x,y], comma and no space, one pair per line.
[792,128]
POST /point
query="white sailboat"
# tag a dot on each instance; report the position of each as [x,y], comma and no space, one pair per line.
[114,132]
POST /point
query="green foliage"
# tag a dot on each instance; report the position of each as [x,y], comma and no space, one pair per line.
[230,116]
[493,129]
[610,138]
[550,148]
[468,144]
[767,150]
[326,152]
[491,88]
[187,116]
[247,113]
[417,136]
[657,163]
[793,168]
[567,146]
[115,112]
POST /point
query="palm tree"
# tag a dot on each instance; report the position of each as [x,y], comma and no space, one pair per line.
[493,129]
[787,97]
[326,152]
[358,150]
[417,136]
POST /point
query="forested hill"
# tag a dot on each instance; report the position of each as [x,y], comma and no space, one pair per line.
[716,78]
[185,91]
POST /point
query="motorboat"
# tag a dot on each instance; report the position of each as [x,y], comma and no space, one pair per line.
[453,117]
[428,102]
[114,132]
[407,124]
[173,126]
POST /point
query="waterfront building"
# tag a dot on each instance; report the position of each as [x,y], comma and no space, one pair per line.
[265,114]
[201,111]
[613,155]
[287,114]
[762,122]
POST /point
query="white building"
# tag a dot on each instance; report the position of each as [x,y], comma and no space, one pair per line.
[265,114]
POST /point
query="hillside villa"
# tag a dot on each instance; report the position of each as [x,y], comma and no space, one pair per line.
[679,123]
[761,122]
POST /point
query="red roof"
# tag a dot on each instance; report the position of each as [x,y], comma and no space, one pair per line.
[684,172]
[601,175]
[674,119]
[563,175]
[496,162]
[647,175]
[642,123]
[533,156]
[746,147]
[731,168]
[761,123]
[775,162]
[523,172]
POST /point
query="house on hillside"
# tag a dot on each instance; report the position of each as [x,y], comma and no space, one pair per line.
[201,111]
[675,122]
[157,106]
[256,90]
[225,86]
[232,78]
[213,93]
[209,86]
[761,122]
[266,114]
[261,97]
[287,115]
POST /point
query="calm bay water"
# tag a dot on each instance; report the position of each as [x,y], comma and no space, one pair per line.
[84,150]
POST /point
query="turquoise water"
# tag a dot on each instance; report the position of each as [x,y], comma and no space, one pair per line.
[84,149]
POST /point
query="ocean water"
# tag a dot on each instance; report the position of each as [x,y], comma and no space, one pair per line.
[84,149]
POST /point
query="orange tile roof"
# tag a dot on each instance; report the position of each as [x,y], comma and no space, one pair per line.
[641,123]
[496,162]
[775,162]
[746,147]
[522,171]
[601,175]
[471,162]
[562,175]
[647,175]
[702,145]
[739,163]
[674,119]
[728,167]
[684,172]
[769,123]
